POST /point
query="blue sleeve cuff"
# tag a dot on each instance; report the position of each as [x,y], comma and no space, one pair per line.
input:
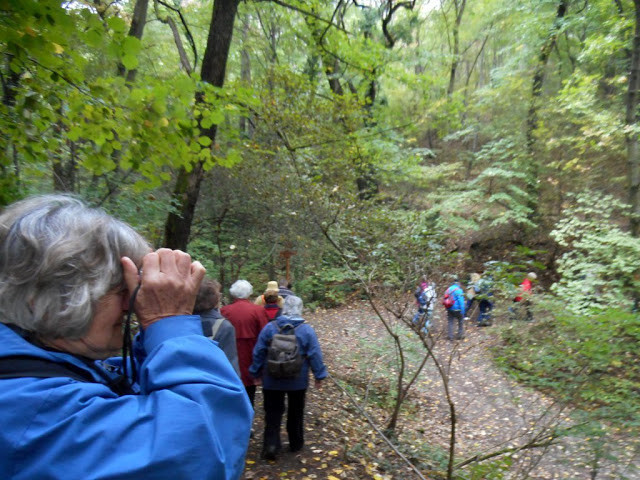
[170,327]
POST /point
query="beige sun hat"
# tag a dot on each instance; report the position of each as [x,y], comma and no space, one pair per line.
[272,287]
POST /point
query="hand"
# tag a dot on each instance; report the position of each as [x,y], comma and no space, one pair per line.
[257,381]
[169,282]
[318,384]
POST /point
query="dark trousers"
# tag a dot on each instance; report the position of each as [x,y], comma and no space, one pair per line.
[273,411]
[251,392]
[452,316]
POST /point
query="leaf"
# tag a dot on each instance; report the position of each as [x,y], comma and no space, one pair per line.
[130,62]
[204,141]
[117,24]
[131,46]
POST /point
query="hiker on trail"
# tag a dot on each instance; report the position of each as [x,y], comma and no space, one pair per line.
[275,389]
[454,303]
[271,305]
[248,319]
[425,298]
[472,290]
[284,289]
[214,325]
[171,408]
[272,288]
[479,292]
[522,300]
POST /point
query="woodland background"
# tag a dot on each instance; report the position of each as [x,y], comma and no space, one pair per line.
[374,142]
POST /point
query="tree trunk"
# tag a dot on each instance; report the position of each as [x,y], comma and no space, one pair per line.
[214,65]
[633,151]
[135,30]
[532,117]
[459,8]
[245,125]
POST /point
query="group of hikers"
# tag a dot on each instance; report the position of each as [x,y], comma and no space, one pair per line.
[458,303]
[259,348]
[82,396]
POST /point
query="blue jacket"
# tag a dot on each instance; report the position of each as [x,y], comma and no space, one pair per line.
[191,420]
[309,348]
[458,296]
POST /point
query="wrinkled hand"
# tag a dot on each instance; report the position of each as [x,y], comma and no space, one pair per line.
[169,282]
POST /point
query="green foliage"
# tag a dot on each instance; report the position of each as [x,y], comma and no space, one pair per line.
[497,468]
[590,362]
[326,288]
[600,268]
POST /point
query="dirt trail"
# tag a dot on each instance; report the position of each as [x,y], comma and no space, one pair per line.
[494,412]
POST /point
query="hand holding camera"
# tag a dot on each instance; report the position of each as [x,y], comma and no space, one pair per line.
[169,282]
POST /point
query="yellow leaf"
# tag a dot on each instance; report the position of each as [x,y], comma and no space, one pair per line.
[57,48]
[333,452]
[164,122]
[331,477]
[250,462]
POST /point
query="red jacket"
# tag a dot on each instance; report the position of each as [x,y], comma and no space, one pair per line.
[248,320]
[525,287]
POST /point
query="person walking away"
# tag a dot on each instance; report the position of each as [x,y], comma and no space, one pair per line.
[485,295]
[248,319]
[171,408]
[523,299]
[275,389]
[272,288]
[271,305]
[214,325]
[425,298]
[284,289]
[455,304]
[472,291]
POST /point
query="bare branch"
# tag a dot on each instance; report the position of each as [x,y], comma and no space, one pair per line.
[305,12]
[186,30]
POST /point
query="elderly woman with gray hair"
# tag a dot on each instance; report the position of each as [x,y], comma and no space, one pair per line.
[274,389]
[171,407]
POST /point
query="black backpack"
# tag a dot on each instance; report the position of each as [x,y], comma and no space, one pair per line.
[283,355]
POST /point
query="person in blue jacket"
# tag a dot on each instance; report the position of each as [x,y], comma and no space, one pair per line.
[456,311]
[68,277]
[274,390]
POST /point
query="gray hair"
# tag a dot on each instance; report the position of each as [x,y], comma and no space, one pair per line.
[292,306]
[58,257]
[241,289]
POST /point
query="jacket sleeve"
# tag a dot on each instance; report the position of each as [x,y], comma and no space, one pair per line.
[460,302]
[192,418]
[260,351]
[314,355]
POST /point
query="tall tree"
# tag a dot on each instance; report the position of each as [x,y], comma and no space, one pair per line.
[136,30]
[536,93]
[458,7]
[632,120]
[214,65]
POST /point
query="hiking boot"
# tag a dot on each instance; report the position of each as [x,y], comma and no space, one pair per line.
[269,452]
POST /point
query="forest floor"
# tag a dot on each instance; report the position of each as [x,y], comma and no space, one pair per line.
[494,413]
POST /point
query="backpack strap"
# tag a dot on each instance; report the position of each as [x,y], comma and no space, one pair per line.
[19,366]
